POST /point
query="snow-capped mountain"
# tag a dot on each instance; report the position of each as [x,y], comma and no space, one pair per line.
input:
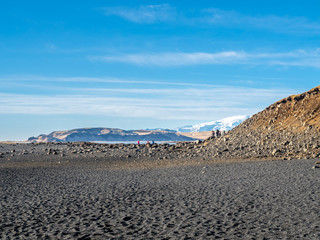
[224,124]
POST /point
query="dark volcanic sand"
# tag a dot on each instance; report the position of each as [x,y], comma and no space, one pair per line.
[248,200]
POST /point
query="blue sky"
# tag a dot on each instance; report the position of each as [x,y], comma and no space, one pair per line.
[148,64]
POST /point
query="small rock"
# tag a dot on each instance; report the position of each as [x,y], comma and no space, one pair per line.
[275,151]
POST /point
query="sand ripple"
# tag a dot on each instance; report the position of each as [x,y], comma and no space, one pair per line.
[253,200]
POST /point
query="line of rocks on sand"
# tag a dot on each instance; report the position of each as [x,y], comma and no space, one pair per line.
[87,150]
[250,144]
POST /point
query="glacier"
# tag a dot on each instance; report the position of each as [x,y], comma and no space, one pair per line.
[224,124]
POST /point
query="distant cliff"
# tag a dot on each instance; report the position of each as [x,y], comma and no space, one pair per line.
[110,134]
[187,133]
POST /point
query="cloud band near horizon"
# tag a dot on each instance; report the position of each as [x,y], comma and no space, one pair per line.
[168,104]
[307,58]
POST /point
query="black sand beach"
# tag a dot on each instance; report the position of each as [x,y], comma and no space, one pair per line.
[243,200]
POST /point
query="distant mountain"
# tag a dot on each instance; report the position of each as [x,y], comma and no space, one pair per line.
[110,134]
[224,124]
[187,133]
[161,129]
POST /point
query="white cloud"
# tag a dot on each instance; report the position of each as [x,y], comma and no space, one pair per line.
[143,14]
[292,58]
[177,59]
[283,24]
[173,104]
[214,17]
[36,78]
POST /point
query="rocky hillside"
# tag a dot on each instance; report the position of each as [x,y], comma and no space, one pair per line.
[296,113]
[286,129]
[110,134]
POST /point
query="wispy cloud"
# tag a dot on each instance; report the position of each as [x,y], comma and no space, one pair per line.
[292,58]
[173,104]
[176,59]
[213,17]
[42,79]
[143,14]
[270,22]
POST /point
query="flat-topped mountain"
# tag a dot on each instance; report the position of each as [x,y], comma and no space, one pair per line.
[110,134]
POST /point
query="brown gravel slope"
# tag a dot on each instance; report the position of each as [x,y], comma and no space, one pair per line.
[286,129]
[296,113]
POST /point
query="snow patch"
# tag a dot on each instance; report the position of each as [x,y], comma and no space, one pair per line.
[224,124]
